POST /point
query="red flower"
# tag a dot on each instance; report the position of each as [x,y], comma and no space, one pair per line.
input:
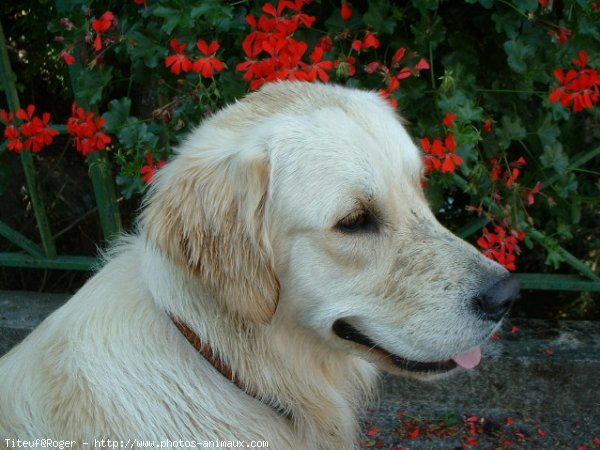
[514,174]
[346,11]
[423,64]
[14,139]
[272,53]
[86,131]
[11,133]
[414,433]
[398,55]
[149,170]
[318,67]
[102,25]
[449,119]
[178,62]
[346,67]
[471,441]
[578,89]
[67,57]
[440,156]
[496,171]
[564,35]
[38,133]
[6,117]
[510,175]
[370,41]
[487,126]
[33,134]
[210,64]
[516,170]
[325,43]
[531,194]
[501,246]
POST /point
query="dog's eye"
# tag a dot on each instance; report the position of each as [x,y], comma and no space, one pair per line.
[358,221]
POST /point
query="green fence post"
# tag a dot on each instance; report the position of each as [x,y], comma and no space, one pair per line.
[37,203]
[104,190]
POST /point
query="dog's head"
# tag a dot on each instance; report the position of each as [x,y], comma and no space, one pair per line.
[304,201]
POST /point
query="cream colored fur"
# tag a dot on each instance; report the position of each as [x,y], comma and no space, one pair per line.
[238,238]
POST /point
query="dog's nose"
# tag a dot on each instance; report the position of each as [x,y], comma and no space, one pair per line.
[497,300]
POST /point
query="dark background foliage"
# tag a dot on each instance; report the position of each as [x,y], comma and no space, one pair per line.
[490,62]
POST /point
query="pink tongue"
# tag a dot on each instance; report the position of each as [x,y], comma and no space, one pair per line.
[469,359]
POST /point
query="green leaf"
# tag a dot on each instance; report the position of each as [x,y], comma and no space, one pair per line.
[173,18]
[89,85]
[487,4]
[217,14]
[64,6]
[143,47]
[118,112]
[130,186]
[548,131]
[435,196]
[429,32]
[567,185]
[589,28]
[509,130]
[135,134]
[335,23]
[426,4]
[378,16]
[564,230]
[461,105]
[554,256]
[518,54]
[553,156]
[526,5]
[505,23]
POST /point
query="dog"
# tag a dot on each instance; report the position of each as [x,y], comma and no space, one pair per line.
[283,258]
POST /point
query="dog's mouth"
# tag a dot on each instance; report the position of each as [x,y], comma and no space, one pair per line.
[467,360]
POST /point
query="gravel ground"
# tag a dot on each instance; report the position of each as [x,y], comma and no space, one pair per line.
[426,427]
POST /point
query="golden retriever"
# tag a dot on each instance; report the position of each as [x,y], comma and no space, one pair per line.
[284,256]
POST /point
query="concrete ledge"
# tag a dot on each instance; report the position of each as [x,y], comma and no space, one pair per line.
[21,312]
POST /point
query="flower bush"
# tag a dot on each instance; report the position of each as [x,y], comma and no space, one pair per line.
[502,95]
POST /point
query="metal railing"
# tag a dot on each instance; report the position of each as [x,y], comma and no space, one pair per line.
[44,255]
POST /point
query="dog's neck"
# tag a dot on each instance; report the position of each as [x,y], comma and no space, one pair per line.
[323,389]
[209,354]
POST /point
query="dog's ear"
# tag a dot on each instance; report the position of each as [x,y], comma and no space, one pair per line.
[206,212]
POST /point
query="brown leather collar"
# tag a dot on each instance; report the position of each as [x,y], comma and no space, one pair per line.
[207,352]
